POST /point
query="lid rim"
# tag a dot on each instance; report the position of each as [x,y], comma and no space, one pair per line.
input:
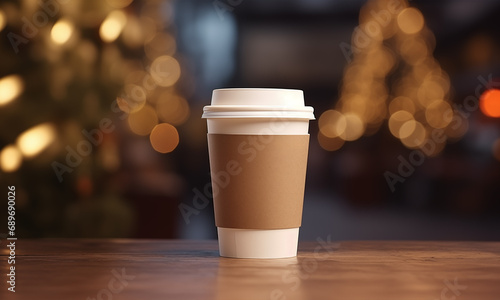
[257,89]
[255,115]
[256,108]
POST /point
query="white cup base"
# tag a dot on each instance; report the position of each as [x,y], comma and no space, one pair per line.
[253,243]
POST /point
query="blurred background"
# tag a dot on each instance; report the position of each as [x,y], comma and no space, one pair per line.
[100,106]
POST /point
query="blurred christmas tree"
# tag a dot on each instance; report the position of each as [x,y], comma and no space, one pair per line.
[63,65]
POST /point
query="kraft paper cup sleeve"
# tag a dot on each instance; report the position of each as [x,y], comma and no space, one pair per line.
[266,192]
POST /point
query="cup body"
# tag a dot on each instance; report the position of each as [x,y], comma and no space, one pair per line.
[258,144]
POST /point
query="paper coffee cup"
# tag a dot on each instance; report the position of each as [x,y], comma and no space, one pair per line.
[258,145]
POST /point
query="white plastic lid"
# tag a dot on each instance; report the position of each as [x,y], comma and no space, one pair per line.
[258,103]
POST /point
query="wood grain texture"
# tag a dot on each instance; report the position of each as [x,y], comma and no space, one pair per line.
[174,269]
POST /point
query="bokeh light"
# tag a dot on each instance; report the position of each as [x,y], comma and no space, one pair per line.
[143,121]
[410,20]
[119,3]
[354,127]
[332,123]
[164,138]
[330,144]
[397,120]
[393,76]
[407,129]
[414,51]
[438,114]
[415,134]
[61,31]
[429,92]
[172,108]
[36,139]
[10,159]
[10,88]
[112,26]
[3,20]
[165,70]
[133,34]
[161,44]
[490,103]
[134,98]
[402,103]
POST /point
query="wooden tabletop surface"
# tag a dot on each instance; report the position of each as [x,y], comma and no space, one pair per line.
[177,269]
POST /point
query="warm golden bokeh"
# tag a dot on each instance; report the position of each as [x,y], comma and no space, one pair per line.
[134,98]
[61,31]
[36,139]
[415,132]
[149,94]
[143,121]
[10,159]
[332,123]
[354,129]
[161,44]
[119,3]
[164,138]
[414,102]
[172,109]
[438,114]
[10,88]
[330,144]
[414,50]
[165,70]
[402,103]
[3,20]
[410,20]
[397,120]
[112,26]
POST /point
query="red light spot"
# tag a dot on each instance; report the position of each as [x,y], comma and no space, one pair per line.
[490,103]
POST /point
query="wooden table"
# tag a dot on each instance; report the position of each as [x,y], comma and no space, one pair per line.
[178,269]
